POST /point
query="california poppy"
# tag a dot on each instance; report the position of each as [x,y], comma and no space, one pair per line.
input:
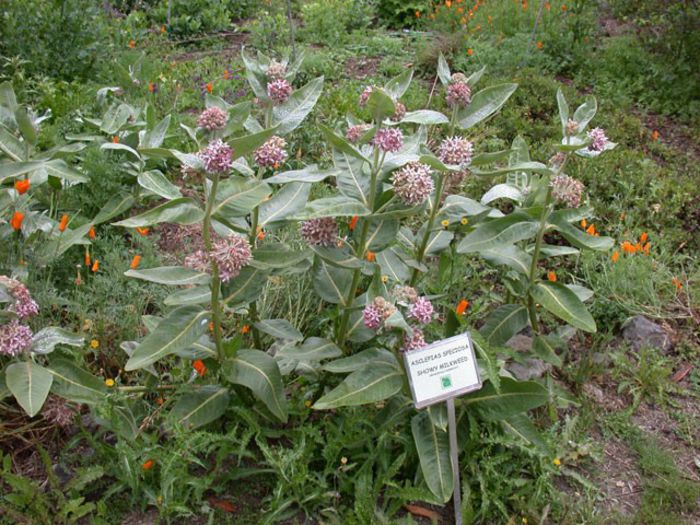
[91,232]
[132,44]
[371,256]
[200,367]
[143,231]
[552,277]
[115,139]
[135,262]
[64,223]
[148,464]
[539,45]
[677,283]
[470,51]
[353,222]
[615,256]
[95,266]
[87,258]
[643,237]
[16,221]
[22,186]
[245,329]
[462,306]
[210,87]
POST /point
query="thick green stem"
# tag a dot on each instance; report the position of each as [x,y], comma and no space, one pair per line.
[215,280]
[429,226]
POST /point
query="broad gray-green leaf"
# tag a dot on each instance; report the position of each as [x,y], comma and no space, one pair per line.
[115,117]
[583,293]
[393,266]
[503,323]
[289,201]
[180,329]
[352,180]
[581,239]
[46,339]
[510,256]
[279,329]
[537,167]
[563,110]
[357,331]
[289,115]
[277,256]
[333,207]
[313,349]
[341,257]
[475,77]
[25,125]
[585,112]
[380,105]
[11,145]
[75,384]
[309,174]
[425,116]
[194,295]
[515,397]
[171,275]
[552,250]
[340,144]
[545,348]
[197,408]
[155,137]
[30,384]
[242,146]
[382,232]
[398,85]
[122,147]
[439,241]
[331,283]
[443,70]
[245,287]
[373,383]
[484,104]
[259,372]
[438,415]
[562,302]
[158,184]
[181,211]
[115,206]
[499,232]
[522,426]
[361,360]
[237,197]
[433,448]
[502,191]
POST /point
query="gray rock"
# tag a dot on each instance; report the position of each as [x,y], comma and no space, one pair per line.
[520,343]
[640,332]
[530,369]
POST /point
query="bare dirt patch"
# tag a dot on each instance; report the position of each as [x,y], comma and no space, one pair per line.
[361,67]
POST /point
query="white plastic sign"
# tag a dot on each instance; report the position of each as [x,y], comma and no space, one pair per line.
[442,370]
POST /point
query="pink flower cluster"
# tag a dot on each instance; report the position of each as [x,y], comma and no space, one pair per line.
[272,153]
[376,312]
[421,310]
[399,112]
[388,140]
[568,190]
[320,232]
[458,94]
[231,254]
[276,70]
[15,338]
[212,119]
[364,96]
[354,133]
[24,306]
[279,91]
[455,151]
[571,127]
[413,342]
[413,183]
[598,139]
[217,157]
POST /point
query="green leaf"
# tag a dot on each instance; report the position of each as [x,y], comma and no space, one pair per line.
[46,339]
[352,180]
[75,384]
[331,283]
[581,239]
[499,232]
[457,207]
[510,256]
[340,144]
[25,125]
[583,293]
[309,174]
[523,427]
[503,323]
[289,115]
[313,349]
[443,70]
[11,145]
[158,184]
[341,257]
[333,207]
[563,110]
[433,449]
[115,117]
[361,360]
[545,347]
[393,266]
[375,382]
[115,206]
[237,197]
[244,288]
[181,211]
[287,202]
[195,409]
[171,275]
[30,384]
[259,372]
[194,295]
[380,105]
[397,86]
[438,415]
[179,330]
[381,233]
[475,77]
[279,329]
[484,104]
[563,303]
[242,146]
[155,137]
[515,397]
[425,116]
[276,256]
[585,112]
[121,147]
[439,240]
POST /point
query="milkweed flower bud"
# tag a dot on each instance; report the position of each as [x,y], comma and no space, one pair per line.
[568,190]
[24,306]
[272,153]
[405,294]
[389,140]
[364,96]
[198,260]
[598,138]
[413,183]
[399,112]
[279,91]
[276,70]
[15,338]
[217,157]
[414,342]
[212,119]
[455,151]
[320,232]
[571,127]
[458,94]
[231,254]
[58,412]
[354,133]
[378,311]
[421,310]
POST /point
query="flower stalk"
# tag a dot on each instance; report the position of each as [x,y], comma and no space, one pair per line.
[215,279]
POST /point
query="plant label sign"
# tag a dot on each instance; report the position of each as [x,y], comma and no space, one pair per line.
[442,370]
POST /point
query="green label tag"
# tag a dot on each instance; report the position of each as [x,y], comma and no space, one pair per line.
[446,382]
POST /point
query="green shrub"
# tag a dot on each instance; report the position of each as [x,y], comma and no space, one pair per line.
[188,17]
[401,13]
[330,22]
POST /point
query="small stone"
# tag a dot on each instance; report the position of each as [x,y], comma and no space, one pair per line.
[640,332]
[529,369]
[520,343]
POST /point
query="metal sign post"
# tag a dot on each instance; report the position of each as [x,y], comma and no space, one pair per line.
[440,372]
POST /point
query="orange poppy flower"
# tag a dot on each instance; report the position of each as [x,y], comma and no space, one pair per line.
[646,248]
[552,277]
[563,8]
[148,464]
[162,29]
[151,87]
[22,186]
[371,256]
[132,44]
[591,230]
[470,51]
[227,75]
[448,4]
[677,283]
[643,237]
[245,329]
[115,139]
[462,306]
[615,256]
[417,14]
[539,45]
[584,223]
[64,223]
[143,231]
[547,6]
[210,87]
[16,221]
[655,135]
[353,222]
[95,266]
[135,262]
[622,216]
[87,258]
[200,367]
[91,233]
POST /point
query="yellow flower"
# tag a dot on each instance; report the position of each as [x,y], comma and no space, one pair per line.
[464,221]
[385,278]
[307,403]
[109,382]
[344,460]
[94,343]
[445,223]
[557,462]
